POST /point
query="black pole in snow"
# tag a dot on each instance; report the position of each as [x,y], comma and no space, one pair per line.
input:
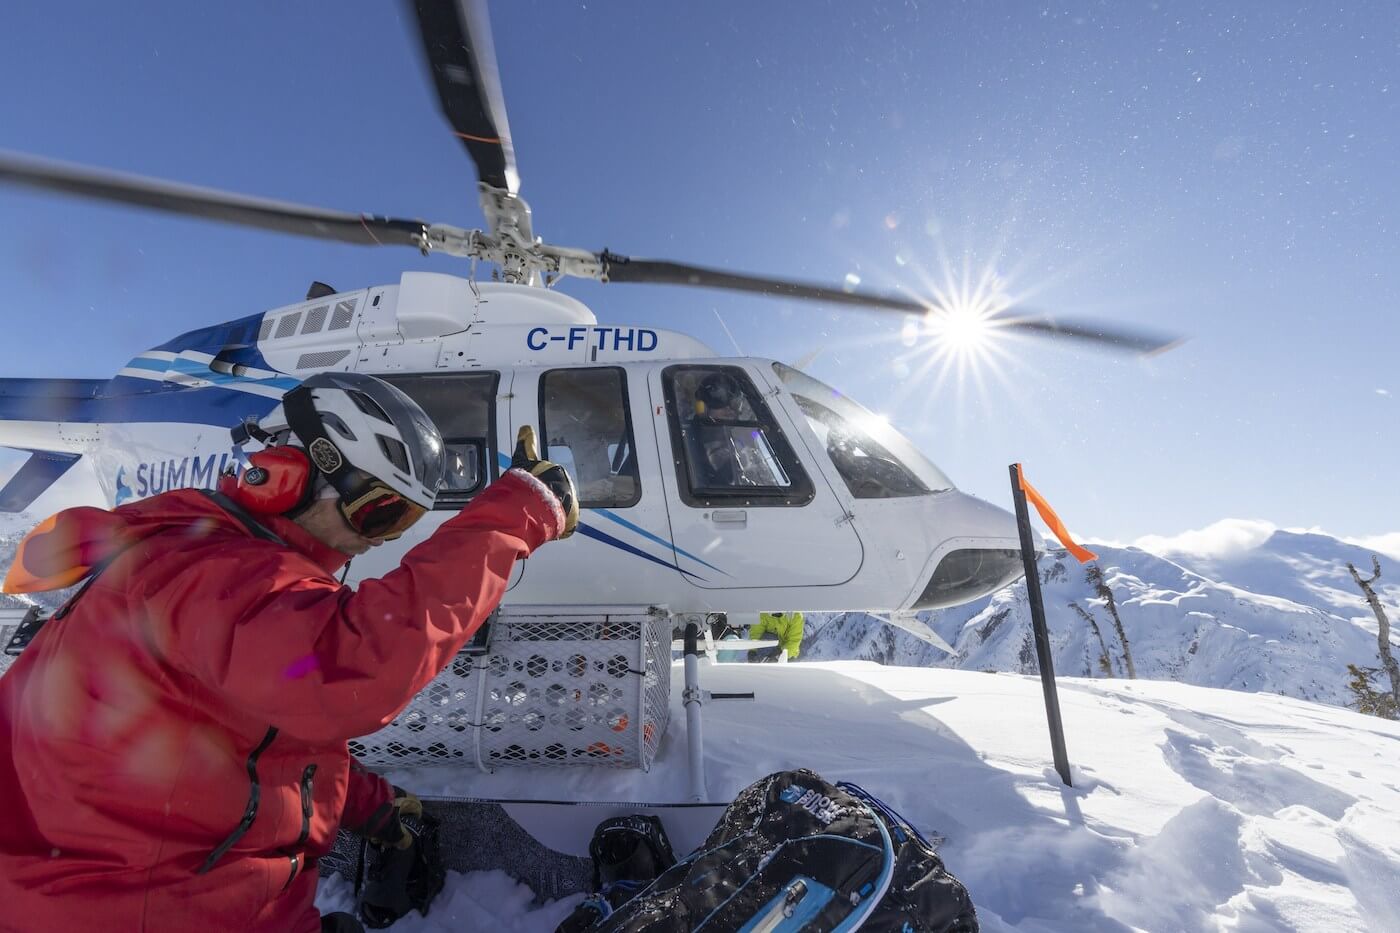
[1042,634]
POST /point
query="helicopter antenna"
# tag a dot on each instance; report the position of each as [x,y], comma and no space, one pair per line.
[737,350]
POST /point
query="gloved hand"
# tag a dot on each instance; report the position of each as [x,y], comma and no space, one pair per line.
[341,922]
[390,832]
[555,477]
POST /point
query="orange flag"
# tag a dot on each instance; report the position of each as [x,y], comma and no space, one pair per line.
[1047,515]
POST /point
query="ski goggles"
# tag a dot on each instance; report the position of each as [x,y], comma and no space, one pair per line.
[381,512]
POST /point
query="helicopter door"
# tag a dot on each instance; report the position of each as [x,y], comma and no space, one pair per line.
[745,511]
[589,421]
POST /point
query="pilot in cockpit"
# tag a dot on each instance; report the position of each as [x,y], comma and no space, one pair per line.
[718,399]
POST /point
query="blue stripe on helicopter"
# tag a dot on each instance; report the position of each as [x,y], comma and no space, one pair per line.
[590,532]
[199,370]
[608,514]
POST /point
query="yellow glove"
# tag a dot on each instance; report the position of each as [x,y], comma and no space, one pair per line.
[554,477]
[392,834]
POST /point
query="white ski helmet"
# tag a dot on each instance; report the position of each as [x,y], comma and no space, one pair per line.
[361,433]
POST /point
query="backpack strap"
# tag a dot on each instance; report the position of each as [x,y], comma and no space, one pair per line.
[33,622]
[242,516]
[72,601]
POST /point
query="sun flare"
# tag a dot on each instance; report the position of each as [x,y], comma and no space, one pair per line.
[960,328]
[961,344]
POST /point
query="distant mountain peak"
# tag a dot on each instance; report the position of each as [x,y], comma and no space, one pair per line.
[1283,616]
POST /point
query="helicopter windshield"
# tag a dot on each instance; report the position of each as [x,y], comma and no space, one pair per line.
[874,460]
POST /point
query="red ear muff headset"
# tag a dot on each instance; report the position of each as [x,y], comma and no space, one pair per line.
[276,481]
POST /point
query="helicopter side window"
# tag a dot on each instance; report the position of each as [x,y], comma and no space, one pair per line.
[463,406]
[587,429]
[728,447]
[869,470]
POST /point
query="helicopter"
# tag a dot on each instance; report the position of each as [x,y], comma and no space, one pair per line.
[790,494]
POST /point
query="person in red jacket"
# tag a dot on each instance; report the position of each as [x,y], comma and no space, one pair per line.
[173,742]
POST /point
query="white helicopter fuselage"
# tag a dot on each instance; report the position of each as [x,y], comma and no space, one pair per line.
[609,401]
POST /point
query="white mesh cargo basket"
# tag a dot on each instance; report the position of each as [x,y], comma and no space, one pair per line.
[556,688]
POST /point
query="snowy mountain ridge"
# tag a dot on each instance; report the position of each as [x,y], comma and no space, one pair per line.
[1283,617]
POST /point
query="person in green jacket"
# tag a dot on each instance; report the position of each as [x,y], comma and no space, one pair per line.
[788,626]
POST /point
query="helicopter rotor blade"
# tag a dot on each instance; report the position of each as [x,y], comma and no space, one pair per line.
[615,268]
[1146,343]
[462,62]
[263,213]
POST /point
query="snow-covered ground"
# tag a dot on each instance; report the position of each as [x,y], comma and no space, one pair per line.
[1193,808]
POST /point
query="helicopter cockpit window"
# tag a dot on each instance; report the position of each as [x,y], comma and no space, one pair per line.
[874,460]
[869,471]
[728,446]
[463,406]
[587,430]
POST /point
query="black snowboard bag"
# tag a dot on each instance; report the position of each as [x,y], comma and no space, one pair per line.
[796,853]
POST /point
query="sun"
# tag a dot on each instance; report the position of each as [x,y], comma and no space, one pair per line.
[965,341]
[960,329]
[962,344]
[962,325]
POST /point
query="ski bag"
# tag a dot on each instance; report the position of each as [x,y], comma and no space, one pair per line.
[794,852]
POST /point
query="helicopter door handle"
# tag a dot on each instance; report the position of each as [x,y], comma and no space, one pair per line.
[738,517]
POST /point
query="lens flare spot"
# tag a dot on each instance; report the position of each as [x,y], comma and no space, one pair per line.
[909,334]
[301,667]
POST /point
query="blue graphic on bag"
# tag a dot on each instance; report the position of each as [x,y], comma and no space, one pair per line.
[818,804]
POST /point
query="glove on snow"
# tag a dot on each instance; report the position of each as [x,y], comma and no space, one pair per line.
[554,477]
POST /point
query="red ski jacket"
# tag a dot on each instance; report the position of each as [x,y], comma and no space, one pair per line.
[173,751]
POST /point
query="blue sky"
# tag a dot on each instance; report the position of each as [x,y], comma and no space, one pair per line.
[1227,171]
